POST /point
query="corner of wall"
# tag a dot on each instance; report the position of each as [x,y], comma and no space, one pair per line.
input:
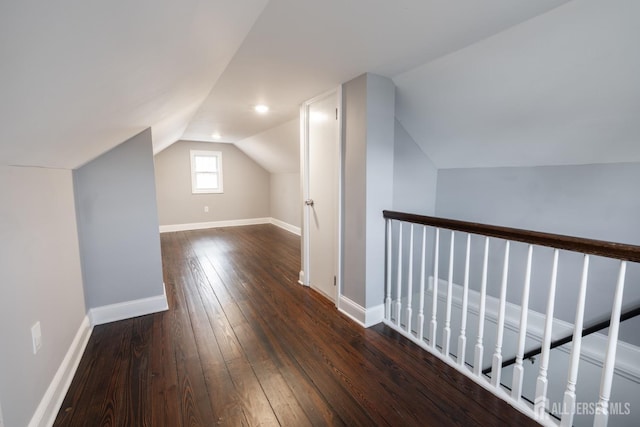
[365,317]
[128,309]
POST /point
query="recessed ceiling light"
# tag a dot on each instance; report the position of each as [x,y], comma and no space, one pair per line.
[261,108]
[216,135]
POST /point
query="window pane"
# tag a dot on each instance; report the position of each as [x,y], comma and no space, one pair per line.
[206,164]
[206,180]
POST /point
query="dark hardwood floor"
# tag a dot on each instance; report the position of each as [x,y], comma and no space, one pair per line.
[244,344]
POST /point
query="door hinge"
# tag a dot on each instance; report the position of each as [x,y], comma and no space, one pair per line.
[336,114]
[334,280]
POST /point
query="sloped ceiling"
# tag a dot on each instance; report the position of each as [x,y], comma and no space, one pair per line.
[561,88]
[79,77]
[300,48]
[480,83]
[277,149]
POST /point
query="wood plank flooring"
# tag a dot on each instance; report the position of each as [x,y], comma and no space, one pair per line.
[244,344]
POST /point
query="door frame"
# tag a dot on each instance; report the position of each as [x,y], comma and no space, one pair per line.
[304,175]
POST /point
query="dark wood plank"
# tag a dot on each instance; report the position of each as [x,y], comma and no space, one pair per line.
[74,407]
[244,344]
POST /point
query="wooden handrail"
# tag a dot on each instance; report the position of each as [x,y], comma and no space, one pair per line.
[577,244]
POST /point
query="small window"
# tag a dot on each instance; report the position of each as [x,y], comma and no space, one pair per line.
[206,172]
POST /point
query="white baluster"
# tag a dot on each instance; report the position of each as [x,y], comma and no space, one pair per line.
[399,281]
[479,349]
[569,401]
[496,367]
[422,278]
[542,382]
[387,301]
[462,339]
[410,282]
[602,409]
[434,307]
[518,369]
[446,332]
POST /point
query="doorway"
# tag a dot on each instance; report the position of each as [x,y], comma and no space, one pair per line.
[321,177]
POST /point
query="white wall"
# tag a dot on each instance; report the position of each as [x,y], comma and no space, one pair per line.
[414,176]
[285,198]
[246,186]
[592,201]
[276,149]
[557,89]
[354,98]
[368,108]
[41,280]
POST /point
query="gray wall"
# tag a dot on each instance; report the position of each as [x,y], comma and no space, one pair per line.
[354,98]
[246,186]
[593,201]
[285,200]
[368,108]
[118,224]
[414,176]
[40,280]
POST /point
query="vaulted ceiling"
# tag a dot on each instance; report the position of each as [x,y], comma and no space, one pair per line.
[78,77]
[561,88]
[480,83]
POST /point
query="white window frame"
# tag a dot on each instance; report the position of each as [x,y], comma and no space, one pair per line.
[218,156]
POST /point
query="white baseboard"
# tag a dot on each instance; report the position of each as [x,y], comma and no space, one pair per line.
[365,317]
[129,309]
[51,402]
[290,228]
[213,224]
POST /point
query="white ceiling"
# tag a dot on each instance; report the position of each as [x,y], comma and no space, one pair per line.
[276,149]
[298,49]
[79,77]
[561,88]
[480,83]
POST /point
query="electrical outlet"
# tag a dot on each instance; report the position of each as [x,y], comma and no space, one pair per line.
[36,337]
[206,209]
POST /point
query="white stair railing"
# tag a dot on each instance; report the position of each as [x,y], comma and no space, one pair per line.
[569,402]
[462,339]
[433,325]
[446,332]
[475,305]
[479,350]
[496,367]
[602,411]
[542,381]
[518,369]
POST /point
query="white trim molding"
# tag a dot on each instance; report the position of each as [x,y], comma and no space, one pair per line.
[213,224]
[51,402]
[231,223]
[593,346]
[290,228]
[366,317]
[129,309]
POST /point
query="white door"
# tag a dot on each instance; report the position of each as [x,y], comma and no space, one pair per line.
[321,193]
